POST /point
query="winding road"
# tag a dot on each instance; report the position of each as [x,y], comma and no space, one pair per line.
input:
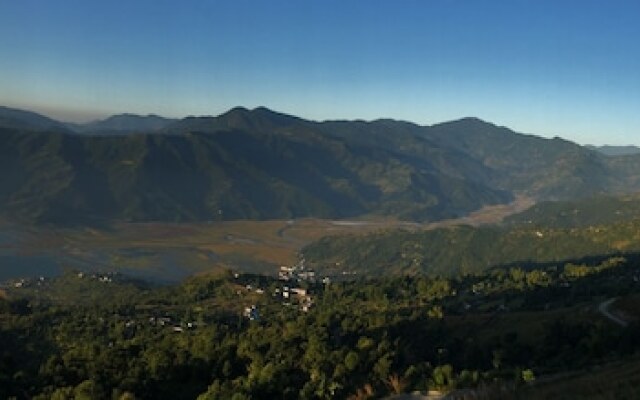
[603,308]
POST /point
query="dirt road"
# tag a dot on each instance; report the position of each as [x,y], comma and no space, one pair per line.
[603,308]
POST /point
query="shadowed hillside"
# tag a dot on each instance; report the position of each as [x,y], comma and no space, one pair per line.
[259,164]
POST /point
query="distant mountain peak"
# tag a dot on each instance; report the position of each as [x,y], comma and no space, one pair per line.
[469,121]
[610,150]
[263,109]
[238,110]
[132,115]
[259,118]
[257,111]
[125,123]
[16,118]
[237,117]
[474,119]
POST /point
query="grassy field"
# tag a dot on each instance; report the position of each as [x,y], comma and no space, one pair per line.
[174,251]
[489,214]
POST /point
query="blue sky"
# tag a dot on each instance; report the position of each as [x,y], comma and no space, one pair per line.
[567,68]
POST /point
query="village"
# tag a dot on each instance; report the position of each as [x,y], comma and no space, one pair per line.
[42,281]
[292,290]
[245,298]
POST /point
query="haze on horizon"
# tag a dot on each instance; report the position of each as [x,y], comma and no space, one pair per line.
[541,67]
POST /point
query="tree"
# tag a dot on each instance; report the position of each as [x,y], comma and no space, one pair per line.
[528,375]
[442,376]
[351,360]
[87,390]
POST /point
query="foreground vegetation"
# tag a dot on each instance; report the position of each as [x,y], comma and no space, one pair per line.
[106,337]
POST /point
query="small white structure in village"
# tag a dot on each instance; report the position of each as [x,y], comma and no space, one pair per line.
[252,313]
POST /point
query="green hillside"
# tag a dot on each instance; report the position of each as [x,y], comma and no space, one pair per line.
[465,249]
[504,334]
[123,124]
[260,164]
[243,164]
[546,168]
[599,210]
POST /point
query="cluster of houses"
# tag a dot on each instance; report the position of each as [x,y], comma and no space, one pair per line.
[296,295]
[175,326]
[104,277]
[296,273]
[288,296]
[164,322]
[28,282]
[288,291]
[299,273]
[252,313]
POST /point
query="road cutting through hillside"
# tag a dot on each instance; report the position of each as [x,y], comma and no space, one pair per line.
[603,308]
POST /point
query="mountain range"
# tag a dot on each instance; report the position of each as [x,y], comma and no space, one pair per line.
[616,150]
[123,124]
[261,164]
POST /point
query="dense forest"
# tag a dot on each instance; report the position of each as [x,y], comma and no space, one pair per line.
[238,336]
[466,249]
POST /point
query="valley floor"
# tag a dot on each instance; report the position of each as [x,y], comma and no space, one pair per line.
[172,251]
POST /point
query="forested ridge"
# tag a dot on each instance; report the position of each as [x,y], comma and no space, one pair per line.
[467,249]
[107,337]
[261,164]
[537,236]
